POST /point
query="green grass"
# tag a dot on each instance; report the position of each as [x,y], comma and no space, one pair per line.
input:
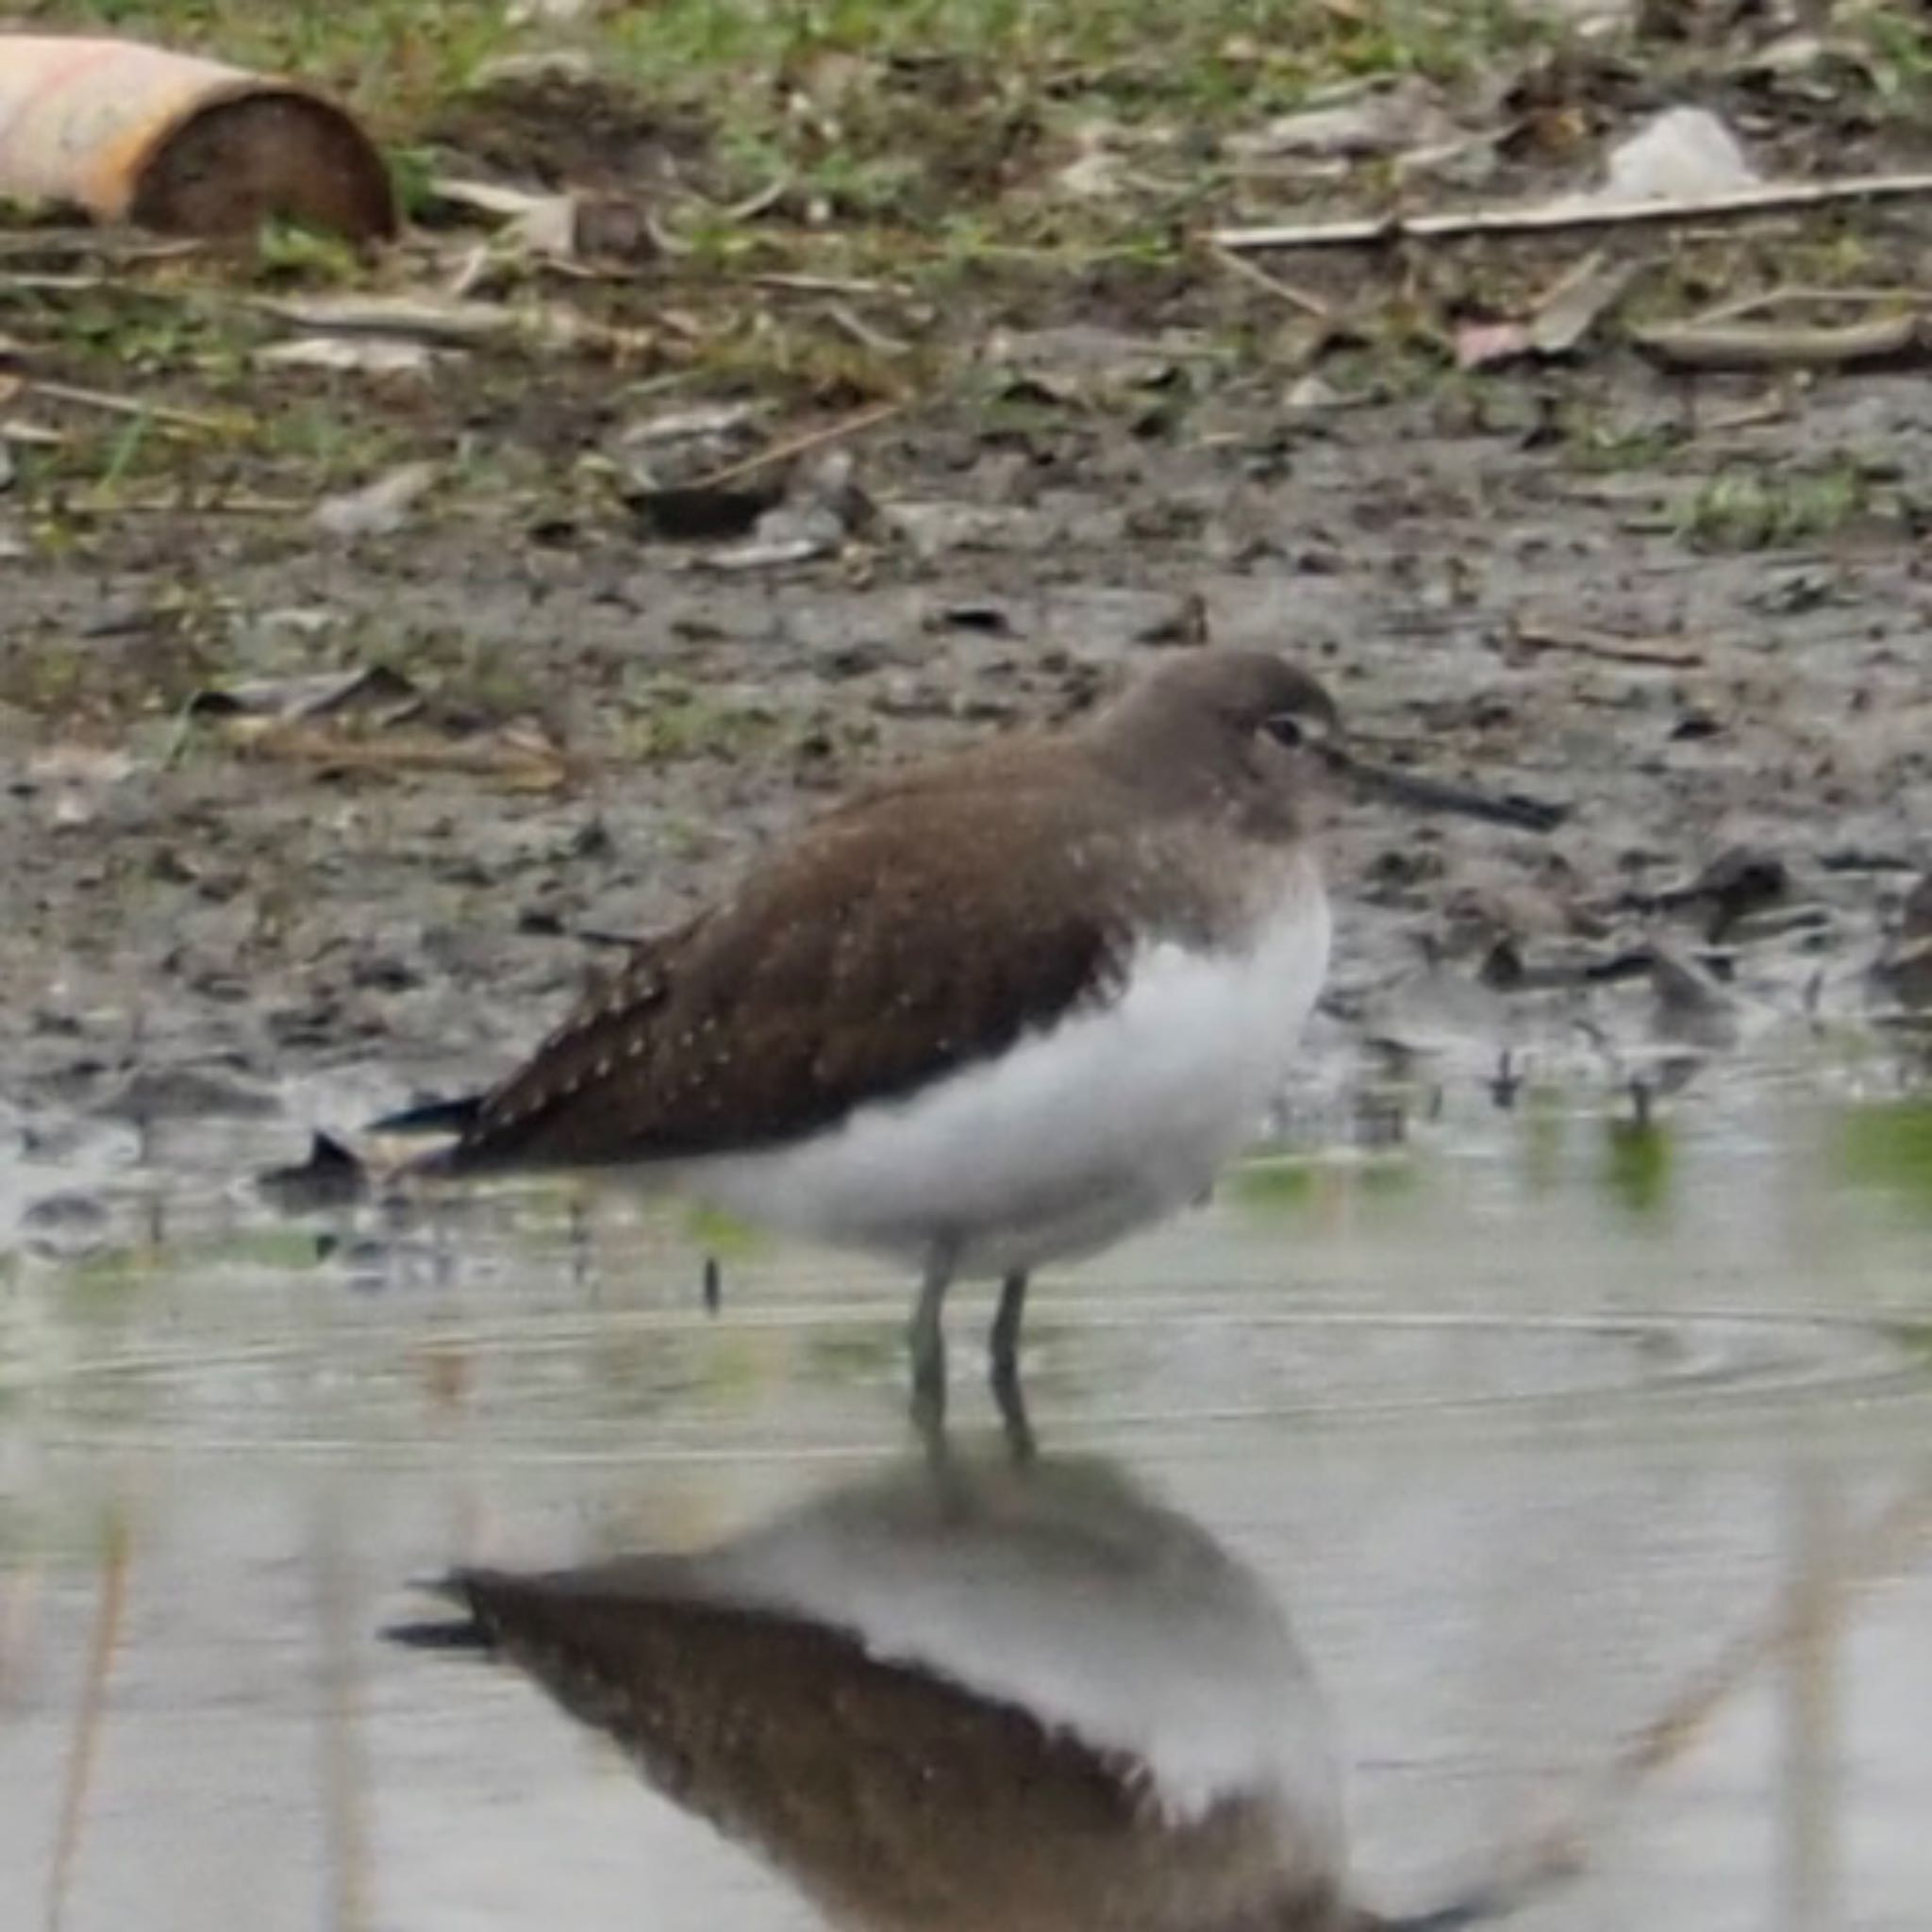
[1887,1146]
[1774,507]
[917,143]
[668,722]
[919,130]
[1134,55]
[858,96]
[860,99]
[934,115]
[390,58]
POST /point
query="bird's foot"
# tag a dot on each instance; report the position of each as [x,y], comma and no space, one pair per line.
[1005,1375]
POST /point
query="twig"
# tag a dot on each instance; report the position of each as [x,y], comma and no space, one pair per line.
[49,282]
[529,767]
[87,1730]
[1530,635]
[761,202]
[665,240]
[41,243]
[164,413]
[1767,346]
[1771,409]
[343,1768]
[850,323]
[1802,294]
[827,285]
[16,1611]
[453,321]
[488,197]
[472,267]
[1286,291]
[1884,1544]
[799,446]
[668,242]
[1768,197]
[239,505]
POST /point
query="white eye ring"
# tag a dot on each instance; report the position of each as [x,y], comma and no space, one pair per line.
[1286,729]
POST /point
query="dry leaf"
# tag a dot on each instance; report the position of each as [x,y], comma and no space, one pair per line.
[1377,118]
[443,318]
[356,354]
[539,224]
[377,509]
[1579,302]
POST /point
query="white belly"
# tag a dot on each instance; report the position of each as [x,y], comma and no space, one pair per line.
[1111,1120]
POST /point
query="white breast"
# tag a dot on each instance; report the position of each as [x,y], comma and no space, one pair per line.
[1079,1601]
[1108,1120]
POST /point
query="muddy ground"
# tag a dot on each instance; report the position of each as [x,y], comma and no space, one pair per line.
[1695,612]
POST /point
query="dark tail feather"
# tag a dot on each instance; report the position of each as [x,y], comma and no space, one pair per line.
[432,1117]
[462,1629]
[331,1177]
[333,1174]
[1451,1918]
[1483,1906]
[464,1633]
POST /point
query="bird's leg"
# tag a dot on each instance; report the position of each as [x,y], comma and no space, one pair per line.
[1005,1328]
[929,1344]
[1006,1365]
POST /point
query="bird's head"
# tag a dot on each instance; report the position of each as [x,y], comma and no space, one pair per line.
[1255,731]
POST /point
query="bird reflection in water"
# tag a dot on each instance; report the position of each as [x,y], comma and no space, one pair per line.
[964,1696]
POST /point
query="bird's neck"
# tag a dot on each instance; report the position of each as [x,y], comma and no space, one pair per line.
[1186,770]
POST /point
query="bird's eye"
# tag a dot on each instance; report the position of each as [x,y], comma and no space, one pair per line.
[1286,727]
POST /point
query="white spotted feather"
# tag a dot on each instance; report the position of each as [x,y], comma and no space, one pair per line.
[1106,1122]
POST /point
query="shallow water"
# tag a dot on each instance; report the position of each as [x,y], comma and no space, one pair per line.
[1591,1467]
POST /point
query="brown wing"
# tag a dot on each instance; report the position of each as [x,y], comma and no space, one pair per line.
[887,946]
[891,1794]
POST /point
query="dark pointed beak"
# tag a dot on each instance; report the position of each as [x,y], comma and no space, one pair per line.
[1433,794]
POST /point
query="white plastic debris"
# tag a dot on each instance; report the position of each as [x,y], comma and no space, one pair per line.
[1684,154]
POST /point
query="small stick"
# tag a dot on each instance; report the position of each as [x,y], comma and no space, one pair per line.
[87,1731]
[47,282]
[799,446]
[1529,635]
[1296,298]
[1768,197]
[1764,345]
[761,202]
[825,285]
[179,505]
[164,413]
[1775,409]
[1737,307]
[1550,1853]
[862,332]
[16,1609]
[343,1769]
[528,767]
[63,243]
[1885,1543]
[462,320]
